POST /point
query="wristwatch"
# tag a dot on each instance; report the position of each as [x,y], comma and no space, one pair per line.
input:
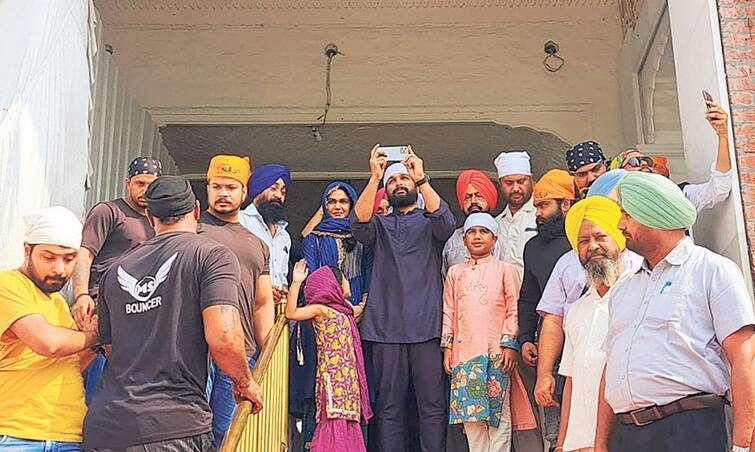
[425,179]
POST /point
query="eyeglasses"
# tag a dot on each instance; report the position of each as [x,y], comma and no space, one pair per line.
[637,162]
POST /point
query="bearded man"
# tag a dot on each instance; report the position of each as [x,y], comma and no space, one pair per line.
[592,229]
[402,320]
[265,217]
[42,351]
[227,176]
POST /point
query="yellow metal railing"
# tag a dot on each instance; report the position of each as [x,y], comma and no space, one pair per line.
[268,430]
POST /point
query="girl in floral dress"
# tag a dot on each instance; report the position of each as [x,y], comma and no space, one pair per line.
[480,346]
[342,398]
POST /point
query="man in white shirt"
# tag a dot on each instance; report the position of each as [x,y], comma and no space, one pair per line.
[707,194]
[516,224]
[593,233]
[265,218]
[681,335]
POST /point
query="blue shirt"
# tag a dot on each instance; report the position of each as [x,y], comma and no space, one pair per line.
[405,300]
[278,244]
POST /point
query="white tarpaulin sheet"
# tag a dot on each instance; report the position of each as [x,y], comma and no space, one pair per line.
[44,109]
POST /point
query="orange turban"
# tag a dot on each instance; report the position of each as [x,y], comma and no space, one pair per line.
[231,166]
[481,182]
[661,165]
[555,184]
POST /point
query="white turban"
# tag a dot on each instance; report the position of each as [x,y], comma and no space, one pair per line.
[515,162]
[396,168]
[481,219]
[53,226]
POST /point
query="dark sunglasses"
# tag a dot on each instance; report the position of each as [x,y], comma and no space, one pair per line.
[637,162]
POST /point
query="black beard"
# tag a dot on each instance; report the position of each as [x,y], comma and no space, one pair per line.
[475,208]
[271,211]
[401,201]
[48,288]
[551,228]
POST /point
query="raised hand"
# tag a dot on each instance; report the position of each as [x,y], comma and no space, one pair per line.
[300,271]
[378,162]
[414,165]
[718,118]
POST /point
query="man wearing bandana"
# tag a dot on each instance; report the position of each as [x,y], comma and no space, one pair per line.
[111,229]
[265,218]
[586,162]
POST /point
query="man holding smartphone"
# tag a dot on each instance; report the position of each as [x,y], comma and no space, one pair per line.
[402,321]
[717,188]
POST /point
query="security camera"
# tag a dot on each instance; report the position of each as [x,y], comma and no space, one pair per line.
[551,48]
[331,50]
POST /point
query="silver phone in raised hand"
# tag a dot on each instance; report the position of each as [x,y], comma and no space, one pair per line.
[395,153]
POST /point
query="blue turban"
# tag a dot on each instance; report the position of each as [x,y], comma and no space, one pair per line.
[265,176]
[603,185]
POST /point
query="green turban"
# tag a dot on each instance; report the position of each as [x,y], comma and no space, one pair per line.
[655,201]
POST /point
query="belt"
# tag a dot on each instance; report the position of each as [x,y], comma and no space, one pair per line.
[644,416]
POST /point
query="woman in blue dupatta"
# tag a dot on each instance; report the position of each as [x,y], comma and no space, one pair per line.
[329,243]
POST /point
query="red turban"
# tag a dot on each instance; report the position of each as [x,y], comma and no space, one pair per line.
[479,181]
[379,196]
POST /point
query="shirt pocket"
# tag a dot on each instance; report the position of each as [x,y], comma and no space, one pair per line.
[667,310]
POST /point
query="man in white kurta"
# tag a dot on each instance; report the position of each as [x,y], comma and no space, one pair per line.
[593,232]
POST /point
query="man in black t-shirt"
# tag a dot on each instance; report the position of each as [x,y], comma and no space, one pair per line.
[111,229]
[163,306]
[227,176]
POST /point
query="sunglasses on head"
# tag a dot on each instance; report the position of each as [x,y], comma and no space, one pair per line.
[636,162]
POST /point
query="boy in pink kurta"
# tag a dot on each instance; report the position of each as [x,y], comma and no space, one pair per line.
[480,345]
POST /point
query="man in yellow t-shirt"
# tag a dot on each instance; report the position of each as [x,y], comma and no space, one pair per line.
[41,351]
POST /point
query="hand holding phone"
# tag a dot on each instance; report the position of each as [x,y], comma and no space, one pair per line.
[707,98]
[395,153]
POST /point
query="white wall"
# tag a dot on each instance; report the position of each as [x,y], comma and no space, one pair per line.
[699,65]
[121,129]
[44,106]
[404,61]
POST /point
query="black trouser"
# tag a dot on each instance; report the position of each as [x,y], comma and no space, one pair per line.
[196,443]
[688,431]
[395,367]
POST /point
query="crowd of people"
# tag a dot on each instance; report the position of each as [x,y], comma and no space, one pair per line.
[582,318]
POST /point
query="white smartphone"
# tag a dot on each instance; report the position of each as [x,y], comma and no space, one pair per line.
[395,153]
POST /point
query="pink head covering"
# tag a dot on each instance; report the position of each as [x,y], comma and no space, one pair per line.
[322,288]
[379,196]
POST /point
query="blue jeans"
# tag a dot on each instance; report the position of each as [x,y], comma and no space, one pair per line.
[219,393]
[93,375]
[11,444]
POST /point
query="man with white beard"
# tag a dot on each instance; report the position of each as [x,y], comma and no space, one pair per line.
[592,230]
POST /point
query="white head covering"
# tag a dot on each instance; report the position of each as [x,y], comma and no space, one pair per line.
[396,168]
[515,162]
[481,219]
[53,226]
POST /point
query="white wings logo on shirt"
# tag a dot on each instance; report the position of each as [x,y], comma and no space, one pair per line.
[143,289]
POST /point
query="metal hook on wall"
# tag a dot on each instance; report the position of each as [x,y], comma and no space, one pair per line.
[553,62]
